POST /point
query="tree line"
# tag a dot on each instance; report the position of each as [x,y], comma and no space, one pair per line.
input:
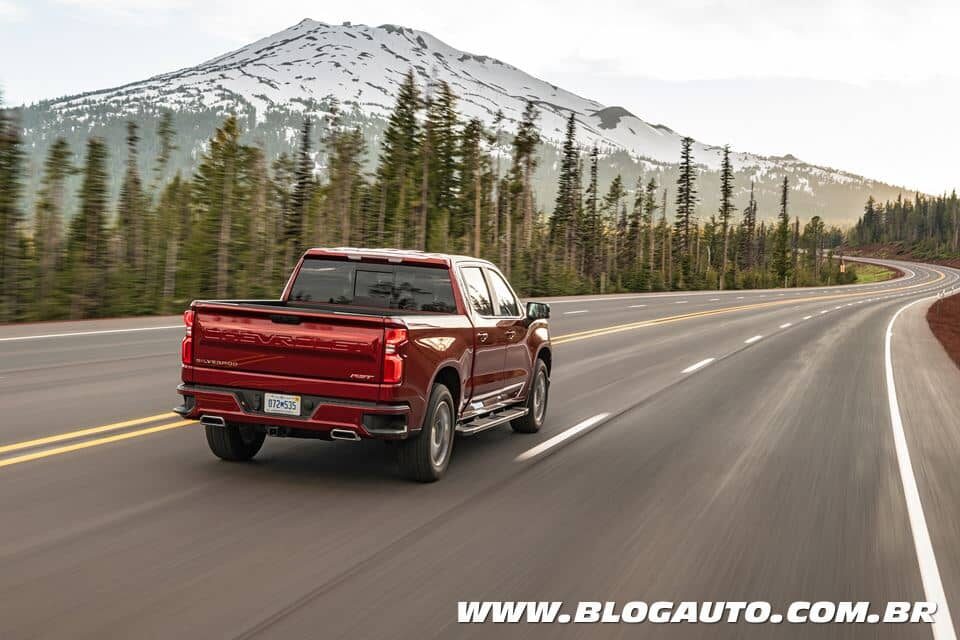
[928,227]
[236,225]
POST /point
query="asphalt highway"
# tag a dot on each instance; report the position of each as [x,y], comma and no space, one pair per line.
[739,445]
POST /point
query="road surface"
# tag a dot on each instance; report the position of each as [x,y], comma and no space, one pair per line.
[738,446]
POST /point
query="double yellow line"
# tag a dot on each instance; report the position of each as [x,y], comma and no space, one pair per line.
[86,444]
[570,337]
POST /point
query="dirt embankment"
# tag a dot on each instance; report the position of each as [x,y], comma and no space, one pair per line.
[943,316]
[897,251]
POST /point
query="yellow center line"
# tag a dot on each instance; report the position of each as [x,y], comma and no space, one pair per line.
[70,435]
[617,328]
[27,457]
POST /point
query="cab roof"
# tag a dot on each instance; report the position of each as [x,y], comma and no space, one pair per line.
[409,256]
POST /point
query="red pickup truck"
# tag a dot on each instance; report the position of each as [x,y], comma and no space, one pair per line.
[388,344]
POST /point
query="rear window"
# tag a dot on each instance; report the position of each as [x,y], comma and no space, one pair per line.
[382,286]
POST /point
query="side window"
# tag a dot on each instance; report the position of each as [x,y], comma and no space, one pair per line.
[506,301]
[477,292]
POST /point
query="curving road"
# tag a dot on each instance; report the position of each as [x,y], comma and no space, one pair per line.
[699,446]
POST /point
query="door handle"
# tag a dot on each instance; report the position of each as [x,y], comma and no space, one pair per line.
[482,336]
[511,334]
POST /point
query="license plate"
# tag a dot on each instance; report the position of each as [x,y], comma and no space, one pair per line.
[281,403]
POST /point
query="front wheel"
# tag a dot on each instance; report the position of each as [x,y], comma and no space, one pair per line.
[536,401]
[425,457]
[235,442]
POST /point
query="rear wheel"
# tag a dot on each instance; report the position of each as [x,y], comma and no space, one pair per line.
[235,442]
[536,401]
[425,457]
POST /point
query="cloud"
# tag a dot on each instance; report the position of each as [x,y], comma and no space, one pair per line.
[10,12]
[128,5]
[137,10]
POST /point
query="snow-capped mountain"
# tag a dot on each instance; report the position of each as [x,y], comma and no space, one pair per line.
[312,66]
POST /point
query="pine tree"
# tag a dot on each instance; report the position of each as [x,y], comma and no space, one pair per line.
[345,150]
[221,190]
[749,225]
[441,184]
[634,248]
[476,180]
[564,209]
[295,229]
[131,213]
[525,145]
[174,218]
[795,249]
[398,166]
[649,211]
[165,135]
[726,209]
[87,251]
[592,223]
[520,204]
[611,224]
[48,229]
[686,201]
[781,248]
[11,216]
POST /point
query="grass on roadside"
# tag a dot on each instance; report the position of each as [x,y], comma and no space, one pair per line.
[867,273]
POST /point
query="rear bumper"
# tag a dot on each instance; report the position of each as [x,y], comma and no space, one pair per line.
[320,414]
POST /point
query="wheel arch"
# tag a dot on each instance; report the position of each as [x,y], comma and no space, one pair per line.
[449,376]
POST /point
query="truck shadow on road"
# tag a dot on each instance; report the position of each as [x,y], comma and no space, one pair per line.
[361,464]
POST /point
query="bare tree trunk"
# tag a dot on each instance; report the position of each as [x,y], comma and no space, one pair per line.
[226,220]
[652,252]
[381,213]
[170,267]
[477,210]
[726,248]
[527,203]
[508,248]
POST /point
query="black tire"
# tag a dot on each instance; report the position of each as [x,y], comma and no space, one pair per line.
[425,457]
[236,443]
[536,403]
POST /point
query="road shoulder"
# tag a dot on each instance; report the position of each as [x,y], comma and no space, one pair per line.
[928,390]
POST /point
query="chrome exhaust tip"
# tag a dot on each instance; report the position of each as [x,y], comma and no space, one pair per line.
[344,434]
[213,421]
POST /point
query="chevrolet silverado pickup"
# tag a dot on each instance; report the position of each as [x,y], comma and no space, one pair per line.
[395,345]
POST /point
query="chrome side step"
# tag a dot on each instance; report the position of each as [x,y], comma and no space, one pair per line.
[491,421]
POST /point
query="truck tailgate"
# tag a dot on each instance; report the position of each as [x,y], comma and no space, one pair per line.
[290,342]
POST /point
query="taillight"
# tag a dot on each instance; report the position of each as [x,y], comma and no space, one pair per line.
[393,339]
[186,346]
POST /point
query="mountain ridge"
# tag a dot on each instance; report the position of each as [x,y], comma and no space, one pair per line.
[313,67]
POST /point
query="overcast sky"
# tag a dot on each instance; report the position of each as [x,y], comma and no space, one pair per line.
[870,87]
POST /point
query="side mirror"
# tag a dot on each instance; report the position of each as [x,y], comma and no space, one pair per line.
[538,310]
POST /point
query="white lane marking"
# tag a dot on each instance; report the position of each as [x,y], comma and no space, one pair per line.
[637,306]
[681,302]
[929,573]
[825,311]
[89,333]
[752,340]
[838,306]
[780,294]
[786,324]
[561,437]
[739,297]
[714,299]
[698,365]
[570,313]
[807,317]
